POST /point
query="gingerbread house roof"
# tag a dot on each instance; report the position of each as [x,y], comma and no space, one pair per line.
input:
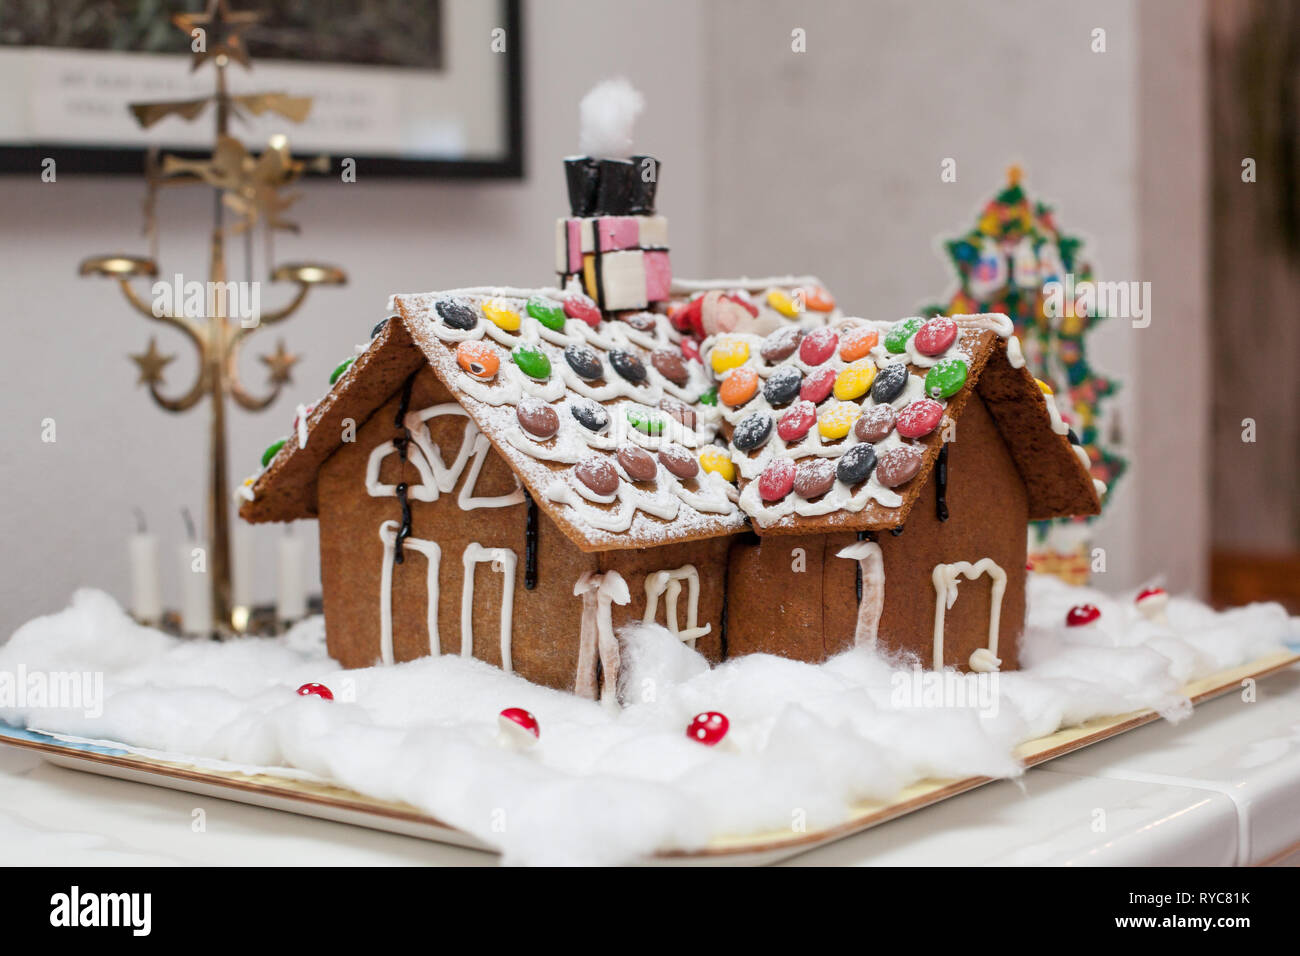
[628,436]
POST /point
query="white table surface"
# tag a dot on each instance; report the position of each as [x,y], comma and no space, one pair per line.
[1221,788]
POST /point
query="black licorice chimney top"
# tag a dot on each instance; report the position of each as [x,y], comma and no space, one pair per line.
[611,187]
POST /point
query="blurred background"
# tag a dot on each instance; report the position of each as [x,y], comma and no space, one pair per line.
[850,140]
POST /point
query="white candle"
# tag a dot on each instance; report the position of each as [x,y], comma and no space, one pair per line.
[241,584]
[196,591]
[146,587]
[291,589]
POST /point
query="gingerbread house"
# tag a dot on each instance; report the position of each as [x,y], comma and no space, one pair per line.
[514,474]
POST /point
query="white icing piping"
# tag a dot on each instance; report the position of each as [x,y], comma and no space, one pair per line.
[945,578]
[302,425]
[502,560]
[872,565]
[432,552]
[597,644]
[669,585]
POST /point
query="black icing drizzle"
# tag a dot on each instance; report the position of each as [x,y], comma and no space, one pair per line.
[599,272]
[941,484]
[402,444]
[530,544]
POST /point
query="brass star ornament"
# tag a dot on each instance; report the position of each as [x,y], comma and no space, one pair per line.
[221,28]
[151,363]
[281,363]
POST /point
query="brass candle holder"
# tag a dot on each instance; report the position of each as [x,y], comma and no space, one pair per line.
[250,187]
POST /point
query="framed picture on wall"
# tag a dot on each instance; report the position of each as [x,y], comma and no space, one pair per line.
[403,87]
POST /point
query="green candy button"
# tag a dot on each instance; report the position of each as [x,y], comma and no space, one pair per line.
[272,450]
[340,369]
[896,338]
[546,311]
[644,420]
[946,378]
[710,397]
[532,362]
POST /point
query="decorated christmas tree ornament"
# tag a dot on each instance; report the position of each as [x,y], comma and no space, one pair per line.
[1081,615]
[517,729]
[1016,261]
[708,728]
[1153,603]
[315,690]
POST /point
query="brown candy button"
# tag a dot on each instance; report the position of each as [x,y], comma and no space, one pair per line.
[641,321]
[537,418]
[678,411]
[898,465]
[598,475]
[813,477]
[679,462]
[671,364]
[781,343]
[638,463]
[875,424]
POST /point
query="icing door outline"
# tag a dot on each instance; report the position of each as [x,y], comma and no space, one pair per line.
[668,584]
[433,554]
[945,578]
[502,560]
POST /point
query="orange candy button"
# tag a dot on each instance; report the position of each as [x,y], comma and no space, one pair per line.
[818,299]
[738,387]
[855,343]
[478,359]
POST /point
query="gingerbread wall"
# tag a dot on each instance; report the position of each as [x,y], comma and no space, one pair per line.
[794,596]
[545,622]
[988,518]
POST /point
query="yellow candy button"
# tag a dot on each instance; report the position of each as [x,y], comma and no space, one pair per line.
[715,459]
[854,380]
[1044,387]
[783,303]
[836,420]
[501,315]
[728,354]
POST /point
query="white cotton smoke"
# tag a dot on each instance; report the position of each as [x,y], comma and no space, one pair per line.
[606,116]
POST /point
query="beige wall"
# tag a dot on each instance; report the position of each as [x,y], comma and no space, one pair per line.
[826,161]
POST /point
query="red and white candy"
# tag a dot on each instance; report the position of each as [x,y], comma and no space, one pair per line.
[316,690]
[517,728]
[1152,603]
[708,728]
[1082,615]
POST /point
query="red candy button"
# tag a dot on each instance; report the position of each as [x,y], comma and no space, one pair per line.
[581,307]
[315,690]
[936,336]
[1081,614]
[708,728]
[794,424]
[817,346]
[691,350]
[919,418]
[777,479]
[818,384]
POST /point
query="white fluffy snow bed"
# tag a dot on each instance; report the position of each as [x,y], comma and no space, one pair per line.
[807,742]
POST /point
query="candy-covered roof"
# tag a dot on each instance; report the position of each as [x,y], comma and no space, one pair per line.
[599,414]
[629,434]
[838,427]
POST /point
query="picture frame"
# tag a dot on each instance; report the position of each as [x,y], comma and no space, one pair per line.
[397,109]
